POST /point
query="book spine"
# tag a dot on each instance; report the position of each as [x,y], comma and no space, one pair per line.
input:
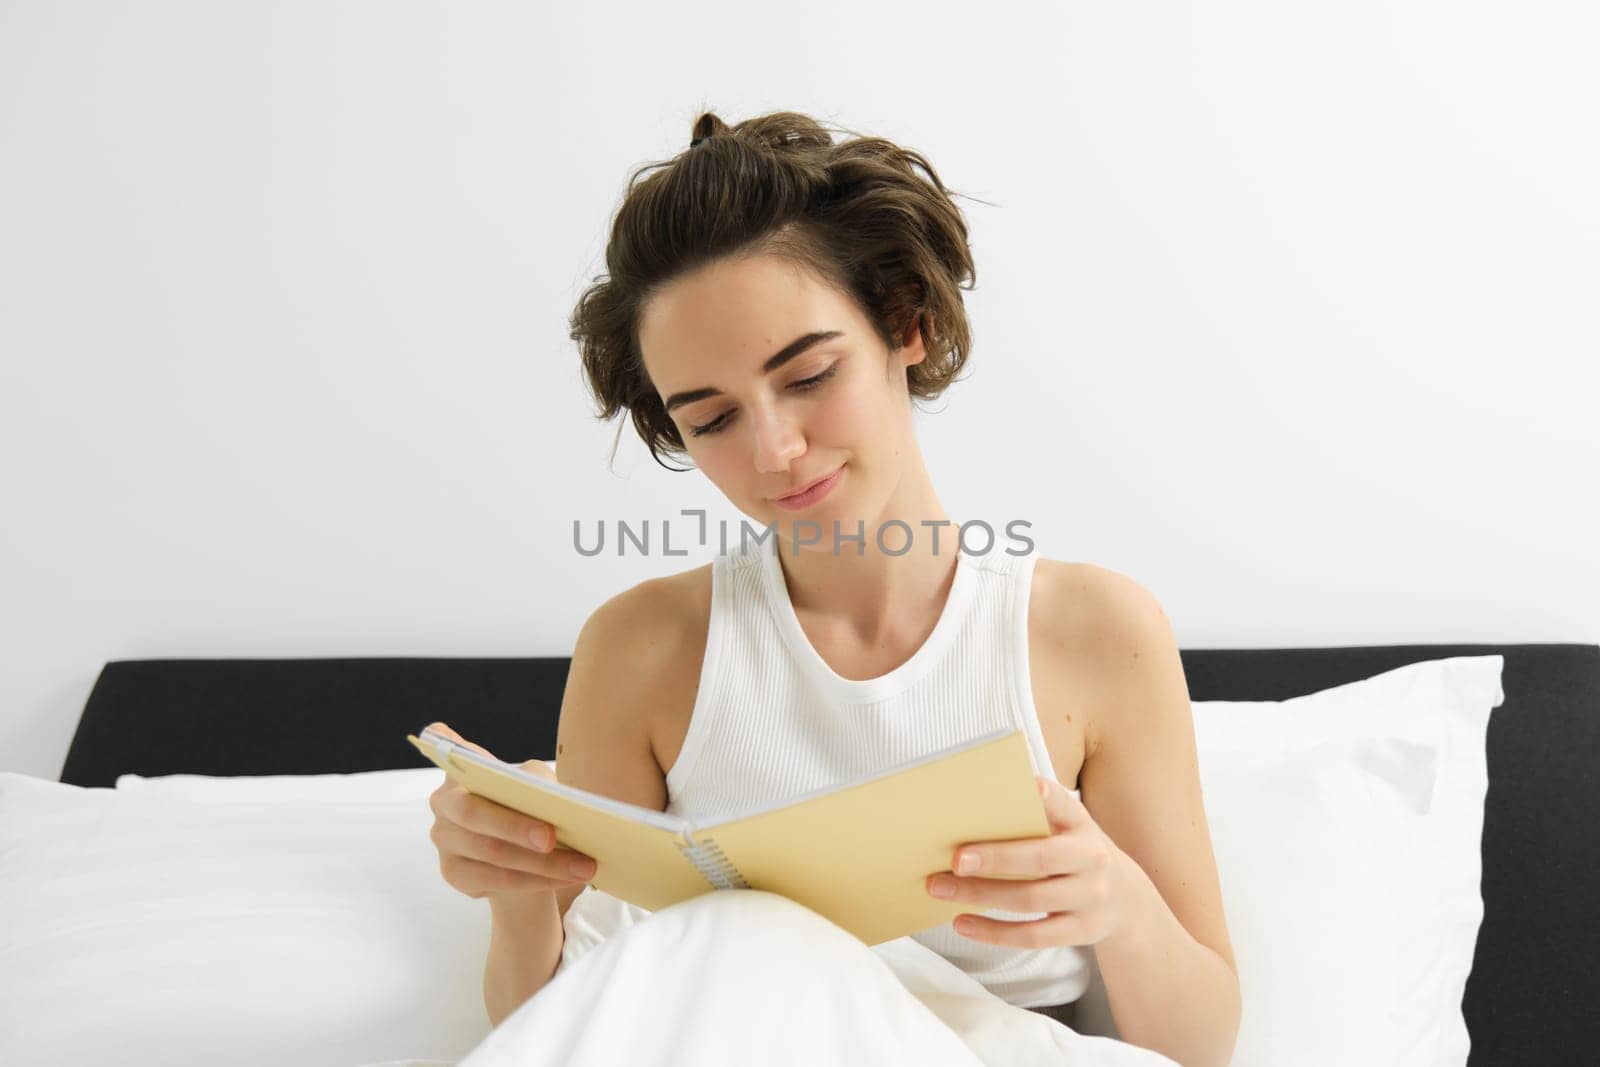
[710,862]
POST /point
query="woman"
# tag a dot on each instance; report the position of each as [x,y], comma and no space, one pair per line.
[775,305]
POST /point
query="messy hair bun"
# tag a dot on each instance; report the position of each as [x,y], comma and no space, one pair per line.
[856,213]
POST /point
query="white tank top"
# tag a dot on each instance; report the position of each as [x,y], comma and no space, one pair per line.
[772,719]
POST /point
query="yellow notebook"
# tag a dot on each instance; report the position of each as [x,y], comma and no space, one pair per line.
[858,853]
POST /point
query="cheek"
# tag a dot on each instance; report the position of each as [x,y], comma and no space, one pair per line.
[722,461]
[845,418]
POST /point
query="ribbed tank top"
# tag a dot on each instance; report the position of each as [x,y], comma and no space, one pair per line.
[772,719]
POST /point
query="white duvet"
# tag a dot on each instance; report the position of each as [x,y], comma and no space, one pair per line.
[744,976]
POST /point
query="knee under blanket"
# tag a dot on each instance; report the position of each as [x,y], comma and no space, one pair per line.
[744,976]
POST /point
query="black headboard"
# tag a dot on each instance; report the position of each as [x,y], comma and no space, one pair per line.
[1534,993]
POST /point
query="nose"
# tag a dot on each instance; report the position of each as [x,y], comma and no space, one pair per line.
[778,440]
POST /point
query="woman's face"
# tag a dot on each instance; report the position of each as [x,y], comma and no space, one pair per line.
[760,425]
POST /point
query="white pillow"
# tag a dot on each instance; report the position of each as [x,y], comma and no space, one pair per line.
[1448,856]
[149,926]
[1318,970]
[1346,825]
[409,783]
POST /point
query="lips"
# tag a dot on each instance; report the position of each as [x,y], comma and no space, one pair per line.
[808,485]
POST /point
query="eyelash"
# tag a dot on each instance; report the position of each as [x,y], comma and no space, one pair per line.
[804,385]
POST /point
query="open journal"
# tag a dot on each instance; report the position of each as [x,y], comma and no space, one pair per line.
[858,853]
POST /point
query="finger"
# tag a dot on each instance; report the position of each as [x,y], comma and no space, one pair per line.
[539,767]
[1062,852]
[441,728]
[1055,893]
[1062,928]
[484,816]
[504,880]
[1064,810]
[500,853]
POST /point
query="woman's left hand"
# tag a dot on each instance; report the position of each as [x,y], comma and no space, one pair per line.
[1077,874]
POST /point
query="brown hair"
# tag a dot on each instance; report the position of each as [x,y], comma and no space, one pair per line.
[854,213]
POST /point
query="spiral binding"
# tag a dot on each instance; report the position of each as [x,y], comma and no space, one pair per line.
[709,861]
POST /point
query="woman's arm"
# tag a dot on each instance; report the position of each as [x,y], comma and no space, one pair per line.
[1169,973]
[1166,990]
[603,746]
[525,941]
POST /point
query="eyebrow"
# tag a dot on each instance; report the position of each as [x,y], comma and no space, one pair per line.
[794,348]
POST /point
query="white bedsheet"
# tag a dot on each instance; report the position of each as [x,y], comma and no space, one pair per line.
[744,976]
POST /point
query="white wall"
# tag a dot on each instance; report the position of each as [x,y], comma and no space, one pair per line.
[1288,311]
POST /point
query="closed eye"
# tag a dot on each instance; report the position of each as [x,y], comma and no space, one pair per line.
[804,385]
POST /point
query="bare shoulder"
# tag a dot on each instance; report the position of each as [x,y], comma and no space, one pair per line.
[1087,623]
[655,614]
[1088,601]
[634,656]
[1140,780]
[652,637]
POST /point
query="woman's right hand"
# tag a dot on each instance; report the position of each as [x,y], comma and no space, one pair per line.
[489,850]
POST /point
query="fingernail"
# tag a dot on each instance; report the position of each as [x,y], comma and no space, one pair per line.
[541,839]
[581,868]
[942,887]
[966,863]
